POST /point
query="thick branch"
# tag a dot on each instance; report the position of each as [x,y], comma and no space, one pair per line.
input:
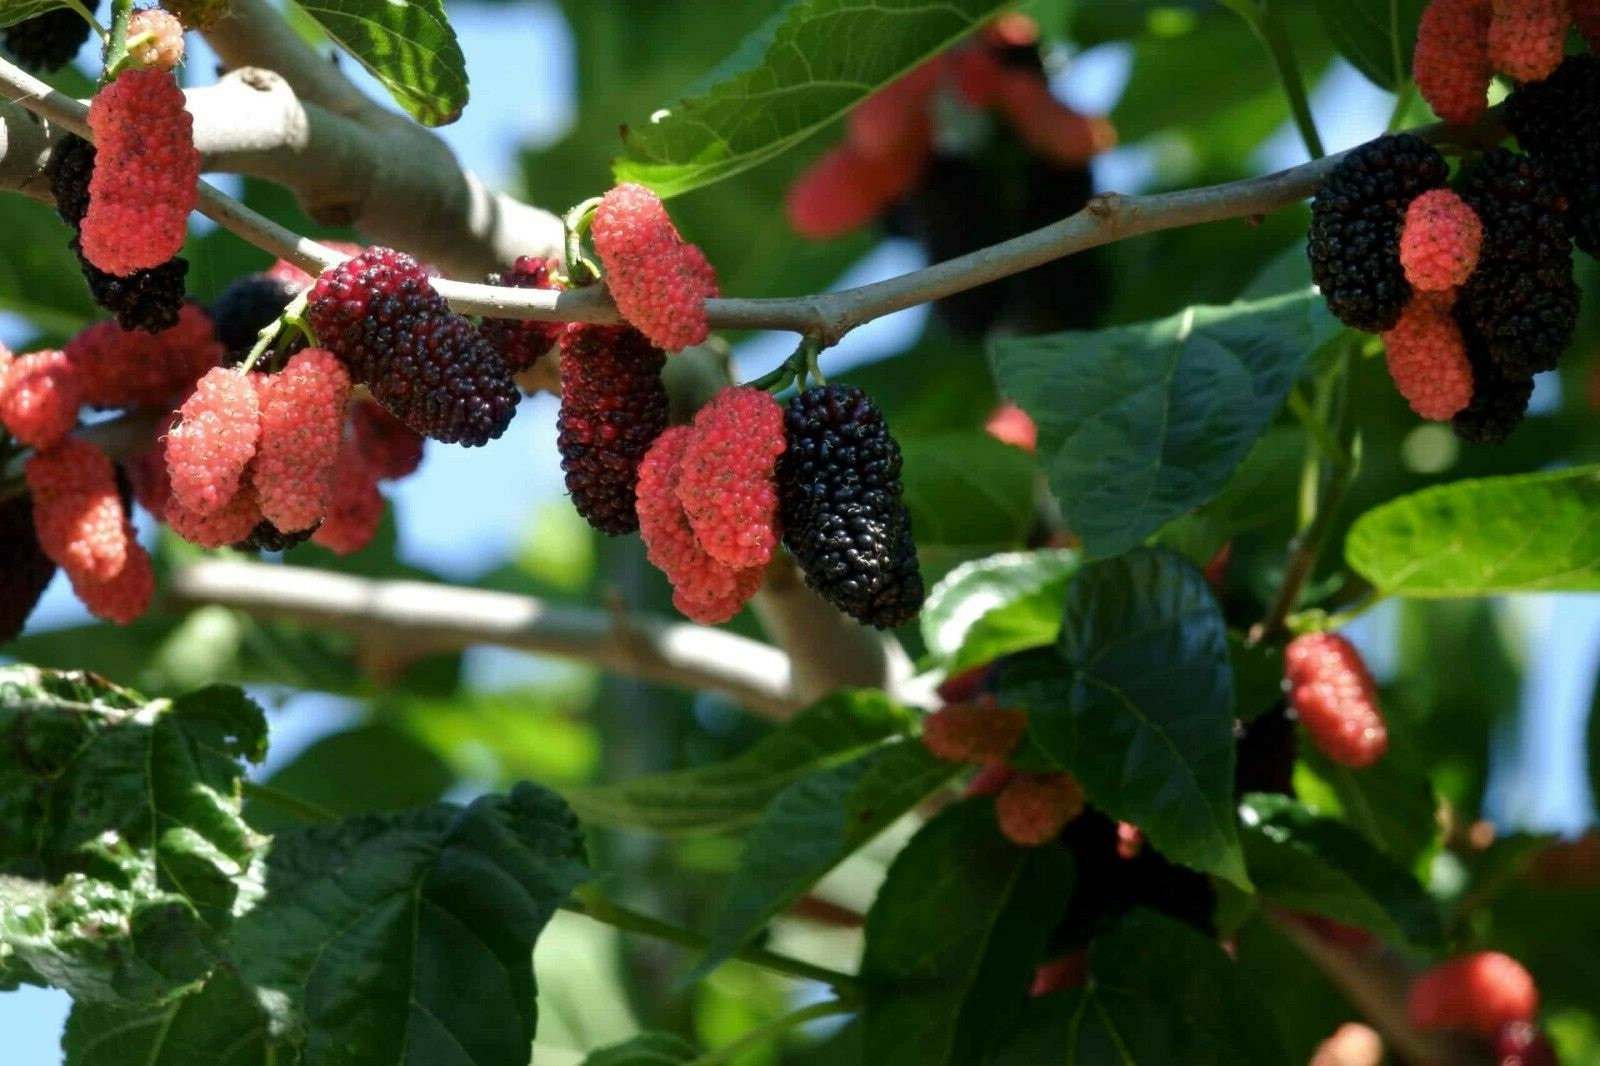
[420,617]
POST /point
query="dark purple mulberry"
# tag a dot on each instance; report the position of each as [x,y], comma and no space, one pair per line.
[26,571]
[267,537]
[341,296]
[1499,402]
[48,41]
[1356,218]
[246,307]
[840,500]
[613,406]
[1557,121]
[520,343]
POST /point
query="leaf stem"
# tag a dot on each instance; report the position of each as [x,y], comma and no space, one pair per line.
[292,316]
[1262,17]
[88,16]
[293,806]
[825,1009]
[116,47]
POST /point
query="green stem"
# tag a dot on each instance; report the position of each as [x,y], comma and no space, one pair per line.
[116,49]
[825,1009]
[1262,17]
[1402,103]
[293,316]
[1317,429]
[87,16]
[575,223]
[298,809]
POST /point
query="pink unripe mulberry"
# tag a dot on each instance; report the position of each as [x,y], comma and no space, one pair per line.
[726,478]
[355,506]
[226,526]
[973,732]
[1335,698]
[659,281]
[39,397]
[146,173]
[213,440]
[1033,808]
[1010,424]
[76,511]
[125,597]
[1451,62]
[1427,357]
[389,446]
[704,589]
[1440,241]
[163,48]
[122,368]
[1527,37]
[302,421]
[1477,993]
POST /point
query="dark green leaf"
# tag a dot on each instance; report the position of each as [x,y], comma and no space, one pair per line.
[408,938]
[1257,677]
[1137,701]
[17,10]
[373,767]
[953,939]
[409,47]
[1484,537]
[117,814]
[793,76]
[1316,864]
[1388,802]
[1138,424]
[810,828]
[1376,36]
[219,1025]
[967,489]
[975,592]
[646,1049]
[732,794]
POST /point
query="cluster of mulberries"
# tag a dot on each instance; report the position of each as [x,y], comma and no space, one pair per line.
[660,282]
[1335,698]
[49,41]
[521,344]
[83,527]
[247,306]
[976,124]
[1480,993]
[1557,121]
[128,368]
[427,365]
[1462,43]
[841,510]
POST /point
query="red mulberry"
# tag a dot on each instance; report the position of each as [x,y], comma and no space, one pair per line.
[342,297]
[845,189]
[1032,809]
[1335,698]
[162,46]
[146,173]
[1428,358]
[1440,241]
[1527,38]
[27,570]
[302,419]
[39,398]
[1478,993]
[726,480]
[355,506]
[613,405]
[522,343]
[1451,61]
[1050,128]
[973,732]
[235,521]
[388,446]
[124,368]
[659,281]
[126,596]
[213,440]
[76,510]
[1010,424]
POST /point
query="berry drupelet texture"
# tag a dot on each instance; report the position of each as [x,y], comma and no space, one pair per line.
[659,280]
[27,569]
[727,482]
[355,506]
[160,39]
[389,447]
[521,344]
[123,368]
[342,297]
[246,307]
[49,41]
[1335,698]
[302,424]
[1356,218]
[1527,37]
[976,732]
[39,397]
[841,509]
[1428,359]
[77,510]
[213,440]
[613,406]
[1451,62]
[1499,402]
[1557,121]
[1440,241]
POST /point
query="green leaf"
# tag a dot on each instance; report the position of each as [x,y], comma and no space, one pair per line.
[1257,677]
[121,840]
[17,10]
[967,488]
[373,767]
[410,48]
[1310,863]
[408,938]
[1137,701]
[810,828]
[1484,537]
[220,1025]
[1376,36]
[953,938]
[813,62]
[974,592]
[646,1049]
[1138,424]
[731,794]
[1390,803]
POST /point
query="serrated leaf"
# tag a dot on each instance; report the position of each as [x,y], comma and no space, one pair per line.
[1138,424]
[1315,864]
[731,794]
[1376,36]
[1137,700]
[371,930]
[646,1049]
[121,840]
[971,593]
[953,938]
[793,76]
[1484,537]
[220,1025]
[812,826]
[409,47]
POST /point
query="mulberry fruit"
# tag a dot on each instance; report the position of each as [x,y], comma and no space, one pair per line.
[125,368]
[266,537]
[1440,241]
[1050,129]
[726,481]
[1335,698]
[989,780]
[1522,298]
[1477,993]
[1499,402]
[213,440]
[77,512]
[1451,62]
[659,281]
[1527,38]
[521,344]
[1032,809]
[392,450]
[146,173]
[1354,241]
[841,509]
[125,597]
[49,41]
[342,297]
[39,397]
[703,589]
[1557,121]
[355,506]
[159,37]
[847,188]
[1010,424]
[613,405]
[27,570]
[973,732]
[1428,358]
[235,521]
[302,419]
[247,306]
